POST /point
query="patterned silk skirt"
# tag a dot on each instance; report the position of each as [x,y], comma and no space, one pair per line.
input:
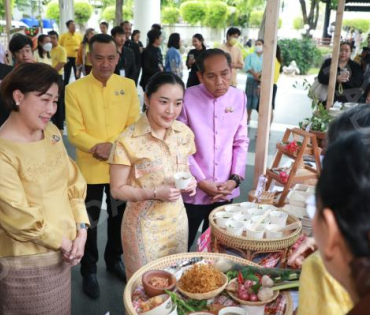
[35,285]
[153,229]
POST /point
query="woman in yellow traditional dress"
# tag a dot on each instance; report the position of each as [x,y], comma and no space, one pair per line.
[143,163]
[43,218]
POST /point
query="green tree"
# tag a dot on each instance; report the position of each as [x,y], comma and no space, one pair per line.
[298,23]
[193,12]
[217,13]
[83,11]
[109,13]
[52,11]
[255,19]
[362,25]
[170,15]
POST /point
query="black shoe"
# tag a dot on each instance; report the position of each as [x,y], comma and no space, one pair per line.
[90,286]
[118,269]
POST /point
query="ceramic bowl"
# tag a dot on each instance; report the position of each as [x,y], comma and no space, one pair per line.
[278,217]
[247,205]
[258,233]
[234,310]
[272,234]
[222,217]
[153,291]
[255,211]
[182,179]
[235,227]
[163,309]
[245,219]
[233,209]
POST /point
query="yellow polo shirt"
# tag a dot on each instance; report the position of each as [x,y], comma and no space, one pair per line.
[97,114]
[71,43]
[58,54]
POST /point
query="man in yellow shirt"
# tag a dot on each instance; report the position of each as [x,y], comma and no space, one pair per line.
[99,107]
[234,51]
[71,42]
[58,60]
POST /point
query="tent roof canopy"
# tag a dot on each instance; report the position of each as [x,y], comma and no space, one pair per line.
[357,5]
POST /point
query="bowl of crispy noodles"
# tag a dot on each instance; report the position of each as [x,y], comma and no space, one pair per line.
[202,282]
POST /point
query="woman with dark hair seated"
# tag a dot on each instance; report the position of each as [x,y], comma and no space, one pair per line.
[43,218]
[341,223]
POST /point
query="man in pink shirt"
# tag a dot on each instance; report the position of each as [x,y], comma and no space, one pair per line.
[216,113]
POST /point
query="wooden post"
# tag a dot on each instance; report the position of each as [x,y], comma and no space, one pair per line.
[268,72]
[335,56]
[8,18]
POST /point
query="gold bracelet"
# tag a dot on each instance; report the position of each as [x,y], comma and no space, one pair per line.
[155,193]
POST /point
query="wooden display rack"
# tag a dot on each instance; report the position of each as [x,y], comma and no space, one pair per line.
[299,172]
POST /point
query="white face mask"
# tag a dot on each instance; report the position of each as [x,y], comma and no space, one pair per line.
[47,47]
[258,48]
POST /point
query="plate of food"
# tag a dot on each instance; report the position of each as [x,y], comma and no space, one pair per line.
[202,282]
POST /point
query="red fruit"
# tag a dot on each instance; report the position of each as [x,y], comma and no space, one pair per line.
[253,297]
[248,283]
[244,296]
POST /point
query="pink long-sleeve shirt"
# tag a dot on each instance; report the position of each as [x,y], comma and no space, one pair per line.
[221,137]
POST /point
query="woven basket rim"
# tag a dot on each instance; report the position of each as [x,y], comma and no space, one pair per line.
[165,262]
[253,243]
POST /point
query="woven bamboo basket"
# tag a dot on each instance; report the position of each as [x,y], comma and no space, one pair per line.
[165,262]
[267,197]
[249,244]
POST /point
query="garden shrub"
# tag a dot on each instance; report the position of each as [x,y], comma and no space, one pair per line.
[303,51]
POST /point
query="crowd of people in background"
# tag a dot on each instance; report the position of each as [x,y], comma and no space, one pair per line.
[125,152]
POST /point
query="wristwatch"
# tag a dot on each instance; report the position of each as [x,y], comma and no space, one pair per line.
[237,179]
[80,226]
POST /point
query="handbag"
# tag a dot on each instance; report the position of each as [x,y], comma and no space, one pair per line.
[318,91]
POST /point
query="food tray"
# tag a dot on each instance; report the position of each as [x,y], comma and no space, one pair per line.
[246,243]
[166,262]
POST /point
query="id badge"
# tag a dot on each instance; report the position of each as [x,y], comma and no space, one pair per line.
[122,73]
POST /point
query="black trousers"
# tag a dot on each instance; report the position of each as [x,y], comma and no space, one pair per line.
[196,214]
[59,116]
[71,63]
[113,248]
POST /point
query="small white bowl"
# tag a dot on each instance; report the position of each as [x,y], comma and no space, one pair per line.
[174,310]
[247,205]
[233,209]
[278,217]
[272,234]
[241,218]
[163,309]
[266,207]
[235,227]
[233,310]
[254,310]
[182,179]
[255,211]
[258,233]
[222,217]
[256,218]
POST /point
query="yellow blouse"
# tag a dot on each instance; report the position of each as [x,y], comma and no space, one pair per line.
[319,292]
[37,58]
[42,195]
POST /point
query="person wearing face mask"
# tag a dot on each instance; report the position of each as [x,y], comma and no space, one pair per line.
[234,51]
[253,67]
[42,53]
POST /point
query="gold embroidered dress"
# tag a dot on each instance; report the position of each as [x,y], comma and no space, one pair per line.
[152,229]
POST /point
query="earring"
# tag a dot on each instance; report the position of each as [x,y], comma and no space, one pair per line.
[17,103]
